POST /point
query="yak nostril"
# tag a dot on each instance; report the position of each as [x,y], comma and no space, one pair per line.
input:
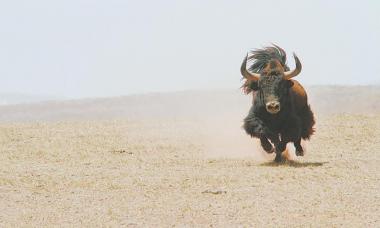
[277,106]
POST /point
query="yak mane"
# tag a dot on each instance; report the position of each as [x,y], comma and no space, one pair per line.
[260,57]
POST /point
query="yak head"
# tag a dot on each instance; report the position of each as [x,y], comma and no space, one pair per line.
[272,83]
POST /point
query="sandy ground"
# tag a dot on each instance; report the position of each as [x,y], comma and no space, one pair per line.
[186,171]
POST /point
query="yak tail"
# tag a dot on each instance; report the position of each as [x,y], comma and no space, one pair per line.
[308,122]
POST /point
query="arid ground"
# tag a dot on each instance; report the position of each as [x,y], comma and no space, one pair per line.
[182,159]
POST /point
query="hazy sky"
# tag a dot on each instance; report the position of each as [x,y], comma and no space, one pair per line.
[75,48]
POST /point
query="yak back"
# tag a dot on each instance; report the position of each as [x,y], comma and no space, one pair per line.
[299,96]
[302,108]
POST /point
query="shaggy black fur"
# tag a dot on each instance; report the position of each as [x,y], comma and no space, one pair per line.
[261,57]
[292,122]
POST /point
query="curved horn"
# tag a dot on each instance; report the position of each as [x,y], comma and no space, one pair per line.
[290,74]
[246,74]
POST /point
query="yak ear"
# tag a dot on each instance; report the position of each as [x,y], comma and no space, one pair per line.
[289,83]
[254,85]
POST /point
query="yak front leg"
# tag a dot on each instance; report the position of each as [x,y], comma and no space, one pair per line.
[266,145]
[256,128]
[279,147]
[293,134]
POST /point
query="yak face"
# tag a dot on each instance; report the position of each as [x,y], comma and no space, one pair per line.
[273,88]
[270,76]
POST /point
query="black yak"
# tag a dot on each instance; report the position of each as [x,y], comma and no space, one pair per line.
[280,112]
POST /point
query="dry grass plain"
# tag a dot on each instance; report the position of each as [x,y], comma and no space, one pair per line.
[166,161]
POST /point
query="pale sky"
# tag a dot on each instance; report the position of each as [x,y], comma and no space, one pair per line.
[78,48]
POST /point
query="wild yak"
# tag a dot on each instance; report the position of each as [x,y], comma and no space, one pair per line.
[280,111]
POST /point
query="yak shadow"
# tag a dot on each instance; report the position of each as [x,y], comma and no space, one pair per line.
[294,164]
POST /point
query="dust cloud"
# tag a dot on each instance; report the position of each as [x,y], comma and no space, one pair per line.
[225,138]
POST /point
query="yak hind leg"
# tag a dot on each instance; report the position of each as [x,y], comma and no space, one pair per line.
[299,149]
[281,146]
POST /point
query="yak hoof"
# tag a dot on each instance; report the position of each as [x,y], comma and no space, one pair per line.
[278,158]
[299,152]
[268,148]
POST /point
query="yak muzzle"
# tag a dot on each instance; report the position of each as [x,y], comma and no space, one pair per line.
[273,107]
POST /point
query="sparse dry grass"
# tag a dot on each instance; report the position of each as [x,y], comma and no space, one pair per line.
[159,173]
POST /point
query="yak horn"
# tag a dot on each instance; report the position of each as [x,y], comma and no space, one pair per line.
[246,74]
[290,74]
